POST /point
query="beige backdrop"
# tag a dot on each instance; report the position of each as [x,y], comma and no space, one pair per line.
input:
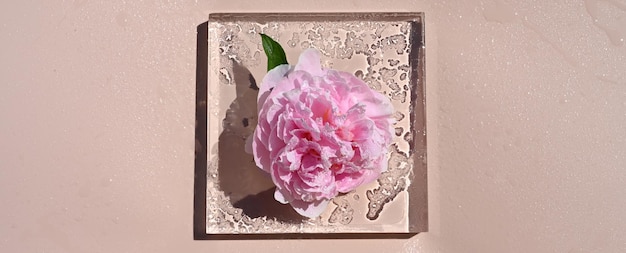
[526,113]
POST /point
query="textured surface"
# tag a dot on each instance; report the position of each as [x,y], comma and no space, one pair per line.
[526,114]
[376,48]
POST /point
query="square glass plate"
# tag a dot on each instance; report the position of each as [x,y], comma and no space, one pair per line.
[386,50]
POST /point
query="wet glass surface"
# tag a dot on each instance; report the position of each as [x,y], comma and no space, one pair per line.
[383,49]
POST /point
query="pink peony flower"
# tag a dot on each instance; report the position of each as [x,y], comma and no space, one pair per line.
[320,132]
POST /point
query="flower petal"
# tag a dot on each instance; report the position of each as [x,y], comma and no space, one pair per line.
[319,132]
[248,145]
[309,209]
[271,79]
[280,197]
[309,61]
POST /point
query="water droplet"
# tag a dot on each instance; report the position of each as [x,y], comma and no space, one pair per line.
[399,131]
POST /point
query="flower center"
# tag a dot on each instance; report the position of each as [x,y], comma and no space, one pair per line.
[327,115]
[335,167]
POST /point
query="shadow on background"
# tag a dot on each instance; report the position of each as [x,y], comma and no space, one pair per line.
[239,177]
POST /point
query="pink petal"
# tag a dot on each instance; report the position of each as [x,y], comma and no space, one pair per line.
[347,182]
[248,145]
[260,152]
[270,80]
[309,61]
[320,132]
[280,197]
[309,209]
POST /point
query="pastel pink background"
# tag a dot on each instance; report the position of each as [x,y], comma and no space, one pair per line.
[526,114]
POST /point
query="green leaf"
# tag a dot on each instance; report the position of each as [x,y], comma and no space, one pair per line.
[273,50]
